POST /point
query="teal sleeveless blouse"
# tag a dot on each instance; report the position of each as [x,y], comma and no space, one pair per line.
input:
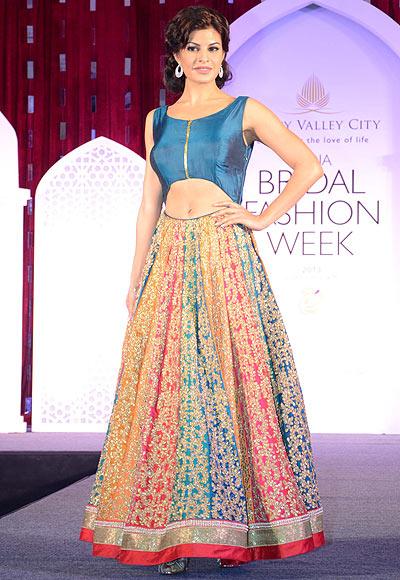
[210,147]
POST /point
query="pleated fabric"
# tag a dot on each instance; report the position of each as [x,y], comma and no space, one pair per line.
[208,450]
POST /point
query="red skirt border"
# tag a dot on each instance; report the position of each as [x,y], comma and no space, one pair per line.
[278,551]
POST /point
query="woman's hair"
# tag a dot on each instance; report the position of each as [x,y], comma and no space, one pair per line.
[177,36]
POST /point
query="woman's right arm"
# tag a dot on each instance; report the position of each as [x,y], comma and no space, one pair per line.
[148,214]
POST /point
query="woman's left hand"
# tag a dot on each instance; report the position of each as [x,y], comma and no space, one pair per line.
[234,213]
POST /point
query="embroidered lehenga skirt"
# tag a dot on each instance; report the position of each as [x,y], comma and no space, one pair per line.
[208,451]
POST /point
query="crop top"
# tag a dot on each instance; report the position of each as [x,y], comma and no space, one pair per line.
[210,147]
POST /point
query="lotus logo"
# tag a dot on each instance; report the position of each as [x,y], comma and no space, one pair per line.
[313,96]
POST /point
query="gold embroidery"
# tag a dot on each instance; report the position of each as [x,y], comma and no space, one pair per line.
[186,147]
[213,532]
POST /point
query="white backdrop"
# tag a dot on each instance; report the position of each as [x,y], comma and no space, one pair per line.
[12,200]
[329,71]
[85,218]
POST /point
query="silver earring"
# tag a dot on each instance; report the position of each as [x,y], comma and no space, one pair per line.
[221,72]
[178,71]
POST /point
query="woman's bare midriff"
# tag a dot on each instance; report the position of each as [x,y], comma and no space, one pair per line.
[192,197]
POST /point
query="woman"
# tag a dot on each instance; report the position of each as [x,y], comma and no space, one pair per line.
[208,451]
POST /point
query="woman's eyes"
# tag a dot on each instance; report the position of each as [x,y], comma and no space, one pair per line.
[195,47]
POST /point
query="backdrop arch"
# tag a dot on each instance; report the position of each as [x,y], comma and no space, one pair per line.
[85,216]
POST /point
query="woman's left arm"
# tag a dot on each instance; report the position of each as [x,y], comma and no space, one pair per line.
[269,129]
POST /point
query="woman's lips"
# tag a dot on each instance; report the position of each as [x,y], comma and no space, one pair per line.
[203,69]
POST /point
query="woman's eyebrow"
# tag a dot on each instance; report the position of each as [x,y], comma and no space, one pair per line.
[191,42]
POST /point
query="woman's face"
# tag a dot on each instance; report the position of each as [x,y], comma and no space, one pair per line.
[202,56]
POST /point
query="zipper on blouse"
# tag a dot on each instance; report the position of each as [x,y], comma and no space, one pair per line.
[186,148]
